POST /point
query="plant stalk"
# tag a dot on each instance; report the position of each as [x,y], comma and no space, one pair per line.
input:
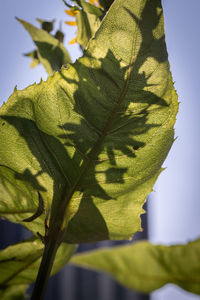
[45,270]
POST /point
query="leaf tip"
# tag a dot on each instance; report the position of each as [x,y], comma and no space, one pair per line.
[18,19]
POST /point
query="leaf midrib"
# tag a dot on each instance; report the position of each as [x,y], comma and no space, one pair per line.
[105,131]
[95,149]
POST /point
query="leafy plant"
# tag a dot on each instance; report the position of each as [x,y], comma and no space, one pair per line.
[80,152]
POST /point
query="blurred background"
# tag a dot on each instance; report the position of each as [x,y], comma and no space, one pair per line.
[174,207]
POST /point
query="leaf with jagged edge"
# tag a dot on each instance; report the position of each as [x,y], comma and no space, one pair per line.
[146,267]
[51,53]
[19,263]
[93,137]
[14,292]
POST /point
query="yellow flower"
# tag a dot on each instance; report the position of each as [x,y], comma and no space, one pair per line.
[95,2]
[73,13]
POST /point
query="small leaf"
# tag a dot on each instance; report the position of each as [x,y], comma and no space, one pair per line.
[52,54]
[146,267]
[19,263]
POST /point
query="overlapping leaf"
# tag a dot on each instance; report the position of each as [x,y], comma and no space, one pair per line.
[14,292]
[146,267]
[94,135]
[87,24]
[51,53]
[19,263]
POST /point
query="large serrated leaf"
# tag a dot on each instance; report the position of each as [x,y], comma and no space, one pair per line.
[19,263]
[51,53]
[92,138]
[146,267]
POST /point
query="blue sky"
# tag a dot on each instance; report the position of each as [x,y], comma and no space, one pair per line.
[174,207]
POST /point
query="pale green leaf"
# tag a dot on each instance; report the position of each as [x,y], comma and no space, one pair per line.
[19,263]
[146,267]
[19,198]
[51,53]
[90,8]
[87,25]
[13,292]
[94,136]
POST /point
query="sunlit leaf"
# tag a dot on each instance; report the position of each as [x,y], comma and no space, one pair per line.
[87,26]
[51,52]
[19,263]
[91,140]
[90,8]
[146,267]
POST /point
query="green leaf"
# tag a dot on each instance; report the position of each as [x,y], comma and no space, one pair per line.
[52,54]
[93,137]
[19,198]
[20,262]
[90,8]
[87,25]
[146,267]
[13,292]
